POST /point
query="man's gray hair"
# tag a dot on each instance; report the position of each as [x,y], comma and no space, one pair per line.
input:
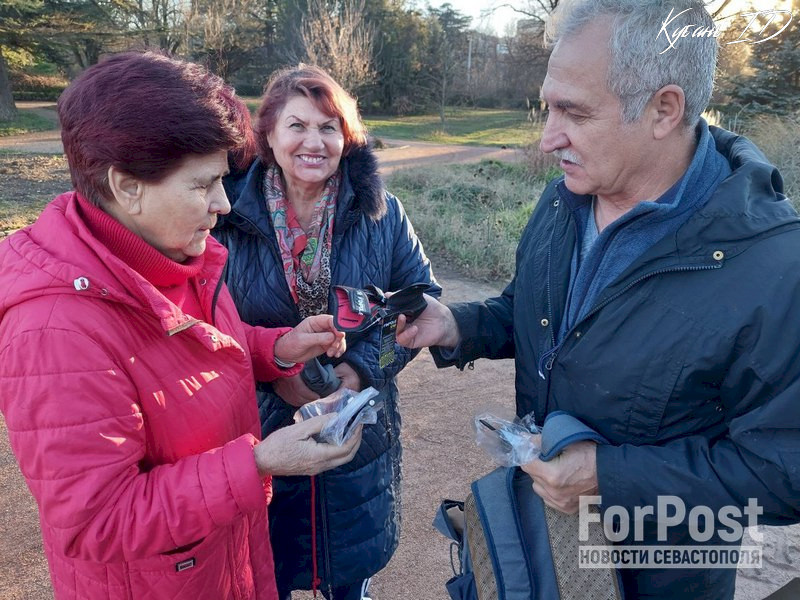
[639,65]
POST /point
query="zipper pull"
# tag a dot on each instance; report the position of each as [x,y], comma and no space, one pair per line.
[550,361]
[544,363]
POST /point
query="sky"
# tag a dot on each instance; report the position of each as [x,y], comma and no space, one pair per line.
[502,16]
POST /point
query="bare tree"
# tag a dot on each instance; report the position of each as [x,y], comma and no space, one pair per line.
[158,23]
[223,33]
[338,39]
[530,9]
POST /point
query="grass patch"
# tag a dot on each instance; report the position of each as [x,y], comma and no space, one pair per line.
[27,183]
[475,127]
[26,122]
[16,215]
[470,215]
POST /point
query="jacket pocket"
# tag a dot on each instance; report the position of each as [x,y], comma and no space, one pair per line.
[667,349]
[202,571]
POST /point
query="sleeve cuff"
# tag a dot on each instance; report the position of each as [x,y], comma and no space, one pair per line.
[263,354]
[610,484]
[248,489]
[445,357]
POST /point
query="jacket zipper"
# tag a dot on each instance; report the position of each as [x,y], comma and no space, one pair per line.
[549,292]
[549,357]
[217,291]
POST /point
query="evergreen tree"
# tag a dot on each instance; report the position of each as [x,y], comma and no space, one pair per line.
[773,77]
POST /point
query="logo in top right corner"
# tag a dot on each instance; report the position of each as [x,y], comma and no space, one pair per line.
[757,30]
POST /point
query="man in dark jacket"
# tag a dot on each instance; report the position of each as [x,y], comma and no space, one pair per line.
[655,298]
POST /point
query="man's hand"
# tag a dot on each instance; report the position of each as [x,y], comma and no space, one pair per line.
[294,391]
[561,481]
[349,377]
[313,336]
[434,327]
[293,451]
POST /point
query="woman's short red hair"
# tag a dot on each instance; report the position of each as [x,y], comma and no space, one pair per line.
[318,86]
[144,113]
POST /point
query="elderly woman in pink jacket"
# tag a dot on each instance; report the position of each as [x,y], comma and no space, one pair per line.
[126,376]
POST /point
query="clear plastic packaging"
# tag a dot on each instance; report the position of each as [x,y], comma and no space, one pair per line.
[510,444]
[352,408]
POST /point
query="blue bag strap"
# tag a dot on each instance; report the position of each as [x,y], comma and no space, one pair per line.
[512,519]
[562,429]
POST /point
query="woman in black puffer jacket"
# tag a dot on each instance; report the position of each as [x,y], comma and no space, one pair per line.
[310,213]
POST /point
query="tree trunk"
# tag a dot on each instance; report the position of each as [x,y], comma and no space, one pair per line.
[443,99]
[8,110]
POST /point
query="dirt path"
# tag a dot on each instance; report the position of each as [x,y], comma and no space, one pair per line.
[41,142]
[402,154]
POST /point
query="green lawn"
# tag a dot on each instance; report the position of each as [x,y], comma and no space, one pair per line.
[25,122]
[469,126]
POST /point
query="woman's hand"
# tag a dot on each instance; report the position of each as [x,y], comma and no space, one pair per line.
[293,451]
[294,391]
[313,336]
[349,377]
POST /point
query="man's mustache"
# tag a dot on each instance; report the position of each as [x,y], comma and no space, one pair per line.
[568,155]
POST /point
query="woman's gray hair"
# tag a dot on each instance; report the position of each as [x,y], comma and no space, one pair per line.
[642,61]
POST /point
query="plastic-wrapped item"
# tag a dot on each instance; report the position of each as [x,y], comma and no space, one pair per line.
[352,408]
[509,443]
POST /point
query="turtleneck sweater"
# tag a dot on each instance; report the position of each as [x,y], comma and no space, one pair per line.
[176,281]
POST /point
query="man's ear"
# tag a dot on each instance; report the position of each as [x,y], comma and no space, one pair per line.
[669,106]
[127,191]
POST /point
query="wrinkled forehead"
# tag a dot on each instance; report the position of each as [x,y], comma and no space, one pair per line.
[578,68]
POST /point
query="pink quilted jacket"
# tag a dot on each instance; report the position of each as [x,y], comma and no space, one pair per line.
[133,424]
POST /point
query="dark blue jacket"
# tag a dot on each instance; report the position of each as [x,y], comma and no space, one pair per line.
[688,363]
[373,243]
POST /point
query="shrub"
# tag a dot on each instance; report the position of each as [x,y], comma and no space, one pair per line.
[778,138]
[470,215]
[27,86]
[545,165]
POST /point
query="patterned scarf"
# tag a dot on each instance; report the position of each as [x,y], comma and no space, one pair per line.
[306,255]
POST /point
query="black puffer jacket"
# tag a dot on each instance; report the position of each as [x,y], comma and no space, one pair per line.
[373,243]
[689,362]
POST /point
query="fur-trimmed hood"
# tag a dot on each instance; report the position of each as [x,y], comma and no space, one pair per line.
[362,191]
[360,168]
